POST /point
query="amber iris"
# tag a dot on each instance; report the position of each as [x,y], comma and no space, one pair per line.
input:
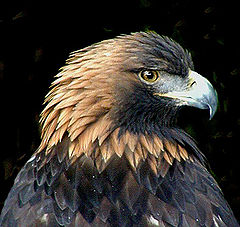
[149,76]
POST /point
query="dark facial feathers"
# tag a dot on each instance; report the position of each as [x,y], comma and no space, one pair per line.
[160,52]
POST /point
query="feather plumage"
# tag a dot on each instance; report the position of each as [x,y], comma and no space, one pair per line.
[110,153]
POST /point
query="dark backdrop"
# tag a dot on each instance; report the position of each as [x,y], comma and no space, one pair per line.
[35,40]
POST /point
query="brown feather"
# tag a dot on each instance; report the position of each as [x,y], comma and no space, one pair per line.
[106,151]
[121,148]
[158,145]
[138,158]
[79,126]
[64,116]
[50,128]
[140,151]
[100,164]
[104,129]
[71,149]
[131,140]
[163,167]
[77,132]
[115,142]
[153,164]
[171,148]
[131,158]
[168,157]
[183,153]
[144,140]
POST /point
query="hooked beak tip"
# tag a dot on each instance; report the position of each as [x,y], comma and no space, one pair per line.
[212,104]
[199,94]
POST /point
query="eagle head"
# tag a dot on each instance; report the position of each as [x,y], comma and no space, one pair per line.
[130,85]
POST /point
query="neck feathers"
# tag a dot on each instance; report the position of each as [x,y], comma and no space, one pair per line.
[96,138]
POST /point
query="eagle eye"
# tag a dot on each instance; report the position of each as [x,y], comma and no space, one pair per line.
[149,76]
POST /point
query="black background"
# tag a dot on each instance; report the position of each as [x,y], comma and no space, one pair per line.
[36,39]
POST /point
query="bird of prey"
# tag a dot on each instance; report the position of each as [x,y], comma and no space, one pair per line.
[111,153]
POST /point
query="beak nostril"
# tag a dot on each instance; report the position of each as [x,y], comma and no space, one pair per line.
[194,82]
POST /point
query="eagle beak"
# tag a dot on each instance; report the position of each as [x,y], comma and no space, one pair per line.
[199,93]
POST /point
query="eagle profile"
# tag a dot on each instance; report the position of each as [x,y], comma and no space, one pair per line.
[111,153]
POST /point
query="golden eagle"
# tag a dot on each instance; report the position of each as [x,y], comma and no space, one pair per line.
[111,152]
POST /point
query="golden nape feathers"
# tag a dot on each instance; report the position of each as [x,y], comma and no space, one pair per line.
[111,153]
[81,105]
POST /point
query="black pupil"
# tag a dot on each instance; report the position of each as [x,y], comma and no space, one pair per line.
[149,75]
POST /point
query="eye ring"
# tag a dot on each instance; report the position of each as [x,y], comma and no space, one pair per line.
[150,76]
